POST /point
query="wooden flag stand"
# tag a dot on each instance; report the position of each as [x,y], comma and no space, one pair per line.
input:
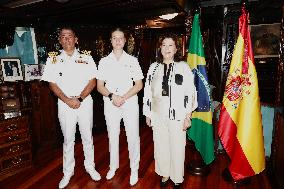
[228,178]
[197,166]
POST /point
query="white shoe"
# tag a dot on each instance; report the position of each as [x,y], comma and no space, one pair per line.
[110,174]
[133,178]
[94,174]
[65,180]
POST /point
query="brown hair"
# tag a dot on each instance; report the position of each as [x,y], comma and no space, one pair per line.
[174,37]
[118,29]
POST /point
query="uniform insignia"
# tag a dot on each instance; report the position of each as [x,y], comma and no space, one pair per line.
[53,56]
[83,54]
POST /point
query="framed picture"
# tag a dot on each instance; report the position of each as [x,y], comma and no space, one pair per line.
[265,40]
[33,71]
[11,69]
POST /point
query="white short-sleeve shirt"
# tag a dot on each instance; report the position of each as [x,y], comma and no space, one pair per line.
[70,73]
[119,75]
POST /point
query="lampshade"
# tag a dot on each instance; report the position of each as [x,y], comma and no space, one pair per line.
[168,16]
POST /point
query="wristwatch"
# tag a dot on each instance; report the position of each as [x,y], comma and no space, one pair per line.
[110,96]
[80,99]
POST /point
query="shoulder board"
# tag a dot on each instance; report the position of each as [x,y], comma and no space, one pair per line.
[53,56]
[85,52]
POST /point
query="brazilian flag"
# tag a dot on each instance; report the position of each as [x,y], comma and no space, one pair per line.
[201,130]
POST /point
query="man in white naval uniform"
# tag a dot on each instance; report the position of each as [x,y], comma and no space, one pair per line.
[116,75]
[71,76]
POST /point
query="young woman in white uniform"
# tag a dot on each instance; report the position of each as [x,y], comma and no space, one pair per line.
[119,81]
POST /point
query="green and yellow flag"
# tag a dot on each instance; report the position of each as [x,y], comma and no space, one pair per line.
[201,130]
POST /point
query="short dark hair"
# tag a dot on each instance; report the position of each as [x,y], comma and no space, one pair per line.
[68,28]
[174,37]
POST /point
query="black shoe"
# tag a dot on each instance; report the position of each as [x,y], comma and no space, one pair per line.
[164,183]
[177,185]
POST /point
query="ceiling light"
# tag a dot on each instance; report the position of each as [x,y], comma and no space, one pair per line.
[168,16]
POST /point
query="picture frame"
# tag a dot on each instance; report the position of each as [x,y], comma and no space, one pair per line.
[265,40]
[33,71]
[11,69]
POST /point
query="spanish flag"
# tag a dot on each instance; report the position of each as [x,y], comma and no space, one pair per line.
[201,130]
[240,126]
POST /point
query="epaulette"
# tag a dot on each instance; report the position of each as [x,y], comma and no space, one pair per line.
[85,52]
[53,56]
[83,57]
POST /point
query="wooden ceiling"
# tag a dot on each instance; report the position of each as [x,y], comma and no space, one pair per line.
[118,12]
[101,12]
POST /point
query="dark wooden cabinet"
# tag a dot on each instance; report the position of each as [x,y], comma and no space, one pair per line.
[266,69]
[15,140]
[29,128]
[46,133]
[277,148]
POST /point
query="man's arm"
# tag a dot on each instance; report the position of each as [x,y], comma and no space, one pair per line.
[88,89]
[71,102]
[101,88]
[58,92]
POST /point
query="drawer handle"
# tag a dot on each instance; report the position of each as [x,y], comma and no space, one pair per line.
[16,161]
[14,148]
[12,127]
[13,138]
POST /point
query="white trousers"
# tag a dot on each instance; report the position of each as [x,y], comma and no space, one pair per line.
[169,148]
[68,119]
[129,112]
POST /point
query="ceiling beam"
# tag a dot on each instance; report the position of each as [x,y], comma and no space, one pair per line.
[20,3]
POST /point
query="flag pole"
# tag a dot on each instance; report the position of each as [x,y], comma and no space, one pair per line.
[228,178]
[197,166]
[244,163]
[226,173]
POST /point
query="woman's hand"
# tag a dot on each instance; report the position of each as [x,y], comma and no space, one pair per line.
[148,121]
[186,124]
[117,100]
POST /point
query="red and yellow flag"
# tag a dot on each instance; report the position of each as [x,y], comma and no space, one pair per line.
[240,126]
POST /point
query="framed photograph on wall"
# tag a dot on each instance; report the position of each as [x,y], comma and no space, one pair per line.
[33,71]
[265,40]
[11,69]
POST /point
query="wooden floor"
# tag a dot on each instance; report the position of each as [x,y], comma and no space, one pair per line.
[49,176]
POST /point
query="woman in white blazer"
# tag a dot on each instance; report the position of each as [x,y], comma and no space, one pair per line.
[169,99]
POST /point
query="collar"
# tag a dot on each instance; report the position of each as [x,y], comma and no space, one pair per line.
[112,55]
[75,53]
